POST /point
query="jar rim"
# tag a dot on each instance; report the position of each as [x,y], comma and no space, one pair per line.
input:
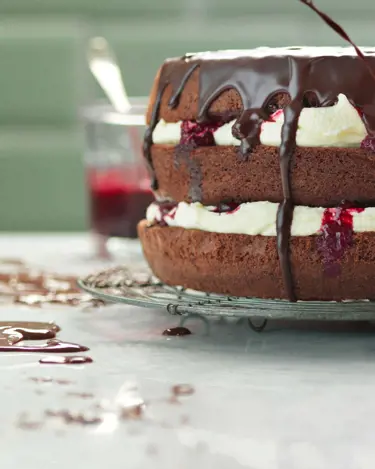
[103,112]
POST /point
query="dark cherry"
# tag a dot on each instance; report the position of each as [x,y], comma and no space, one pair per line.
[169,209]
[336,235]
[230,207]
[368,143]
[198,135]
[166,209]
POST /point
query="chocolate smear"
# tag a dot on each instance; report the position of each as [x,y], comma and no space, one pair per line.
[22,284]
[73,360]
[69,417]
[182,390]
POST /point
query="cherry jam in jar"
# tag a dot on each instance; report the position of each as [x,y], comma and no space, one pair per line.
[117,178]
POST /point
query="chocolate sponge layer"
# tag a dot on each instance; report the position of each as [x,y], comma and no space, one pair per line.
[242,265]
[320,176]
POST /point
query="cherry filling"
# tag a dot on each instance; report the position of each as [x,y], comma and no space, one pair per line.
[228,208]
[167,209]
[336,235]
[198,135]
[273,117]
[368,143]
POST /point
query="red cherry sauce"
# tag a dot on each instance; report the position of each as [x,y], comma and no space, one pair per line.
[233,210]
[166,209]
[273,117]
[336,235]
[118,202]
[198,135]
[368,143]
[228,208]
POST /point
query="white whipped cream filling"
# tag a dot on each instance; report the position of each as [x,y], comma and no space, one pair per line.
[335,126]
[167,132]
[252,218]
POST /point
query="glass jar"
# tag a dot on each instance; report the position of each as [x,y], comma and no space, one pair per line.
[117,177]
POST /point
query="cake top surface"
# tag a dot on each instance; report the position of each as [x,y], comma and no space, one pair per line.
[292,51]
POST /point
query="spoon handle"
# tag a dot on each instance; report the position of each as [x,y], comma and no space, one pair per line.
[104,67]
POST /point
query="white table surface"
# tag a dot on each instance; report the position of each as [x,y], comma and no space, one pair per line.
[286,398]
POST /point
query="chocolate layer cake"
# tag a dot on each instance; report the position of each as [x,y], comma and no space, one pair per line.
[263,166]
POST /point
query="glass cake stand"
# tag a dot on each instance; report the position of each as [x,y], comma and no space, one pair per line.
[135,285]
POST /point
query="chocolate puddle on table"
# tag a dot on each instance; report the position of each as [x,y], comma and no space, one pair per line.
[177,331]
[13,332]
[21,283]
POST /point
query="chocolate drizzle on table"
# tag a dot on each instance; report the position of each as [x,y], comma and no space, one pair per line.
[258,77]
[70,360]
[14,332]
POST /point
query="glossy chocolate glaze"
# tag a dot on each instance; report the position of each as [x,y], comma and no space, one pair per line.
[340,31]
[13,332]
[258,76]
[51,346]
[16,331]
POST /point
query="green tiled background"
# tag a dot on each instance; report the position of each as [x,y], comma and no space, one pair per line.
[44,79]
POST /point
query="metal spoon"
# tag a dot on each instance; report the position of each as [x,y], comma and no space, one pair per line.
[104,67]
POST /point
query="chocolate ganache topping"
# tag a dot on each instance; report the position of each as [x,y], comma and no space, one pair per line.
[259,75]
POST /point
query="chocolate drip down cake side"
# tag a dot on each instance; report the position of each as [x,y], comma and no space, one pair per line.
[263,165]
